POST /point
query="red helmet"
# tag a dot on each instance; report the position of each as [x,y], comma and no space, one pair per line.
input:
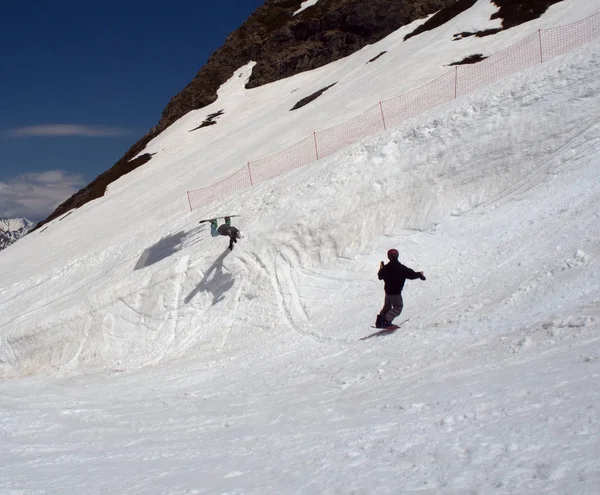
[393,254]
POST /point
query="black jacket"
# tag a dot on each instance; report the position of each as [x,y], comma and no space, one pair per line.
[228,230]
[394,274]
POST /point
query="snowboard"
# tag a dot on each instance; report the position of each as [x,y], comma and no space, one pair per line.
[216,218]
[384,331]
[389,327]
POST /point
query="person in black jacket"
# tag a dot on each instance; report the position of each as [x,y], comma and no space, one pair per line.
[225,229]
[394,274]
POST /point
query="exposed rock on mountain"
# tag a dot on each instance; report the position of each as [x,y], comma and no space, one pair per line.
[309,98]
[210,120]
[510,12]
[376,57]
[471,59]
[515,12]
[442,17]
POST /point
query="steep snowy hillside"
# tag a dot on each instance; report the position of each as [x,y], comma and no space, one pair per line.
[165,363]
[12,229]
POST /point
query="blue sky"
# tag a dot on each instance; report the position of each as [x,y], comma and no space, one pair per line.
[80,82]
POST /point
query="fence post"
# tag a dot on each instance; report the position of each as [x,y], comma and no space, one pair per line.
[382,116]
[316,147]
[541,52]
[250,174]
[456,82]
[189,200]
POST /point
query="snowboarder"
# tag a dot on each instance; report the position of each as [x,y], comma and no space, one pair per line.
[225,229]
[394,274]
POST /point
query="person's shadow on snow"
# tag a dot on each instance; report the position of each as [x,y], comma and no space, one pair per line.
[164,248]
[215,281]
[381,333]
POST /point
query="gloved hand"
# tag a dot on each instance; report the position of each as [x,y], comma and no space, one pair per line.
[421,276]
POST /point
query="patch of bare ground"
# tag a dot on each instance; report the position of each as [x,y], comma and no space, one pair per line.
[442,17]
[516,12]
[512,13]
[309,98]
[376,57]
[479,34]
[471,59]
[209,120]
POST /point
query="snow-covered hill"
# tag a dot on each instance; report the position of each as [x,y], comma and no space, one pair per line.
[12,229]
[164,363]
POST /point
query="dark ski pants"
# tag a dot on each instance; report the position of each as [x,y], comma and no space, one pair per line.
[392,307]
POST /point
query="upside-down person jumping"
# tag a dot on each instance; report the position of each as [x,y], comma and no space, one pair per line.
[225,229]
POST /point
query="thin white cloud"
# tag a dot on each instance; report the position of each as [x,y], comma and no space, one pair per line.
[60,130]
[34,196]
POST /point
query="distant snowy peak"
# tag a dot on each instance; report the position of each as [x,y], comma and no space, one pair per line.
[12,229]
[14,224]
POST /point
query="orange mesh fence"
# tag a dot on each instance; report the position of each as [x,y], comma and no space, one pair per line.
[335,138]
[417,101]
[463,79]
[235,182]
[298,155]
[562,39]
[525,53]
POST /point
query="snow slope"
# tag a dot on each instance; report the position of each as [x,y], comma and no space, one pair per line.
[166,364]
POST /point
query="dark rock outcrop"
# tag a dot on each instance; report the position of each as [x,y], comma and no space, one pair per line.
[471,59]
[515,12]
[377,56]
[442,17]
[306,100]
[478,34]
[510,12]
[209,120]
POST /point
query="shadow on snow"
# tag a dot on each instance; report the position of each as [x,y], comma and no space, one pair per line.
[164,248]
[215,281]
[381,333]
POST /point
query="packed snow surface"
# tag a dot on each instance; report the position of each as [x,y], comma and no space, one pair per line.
[140,355]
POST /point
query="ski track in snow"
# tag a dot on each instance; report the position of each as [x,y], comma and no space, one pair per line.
[154,360]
